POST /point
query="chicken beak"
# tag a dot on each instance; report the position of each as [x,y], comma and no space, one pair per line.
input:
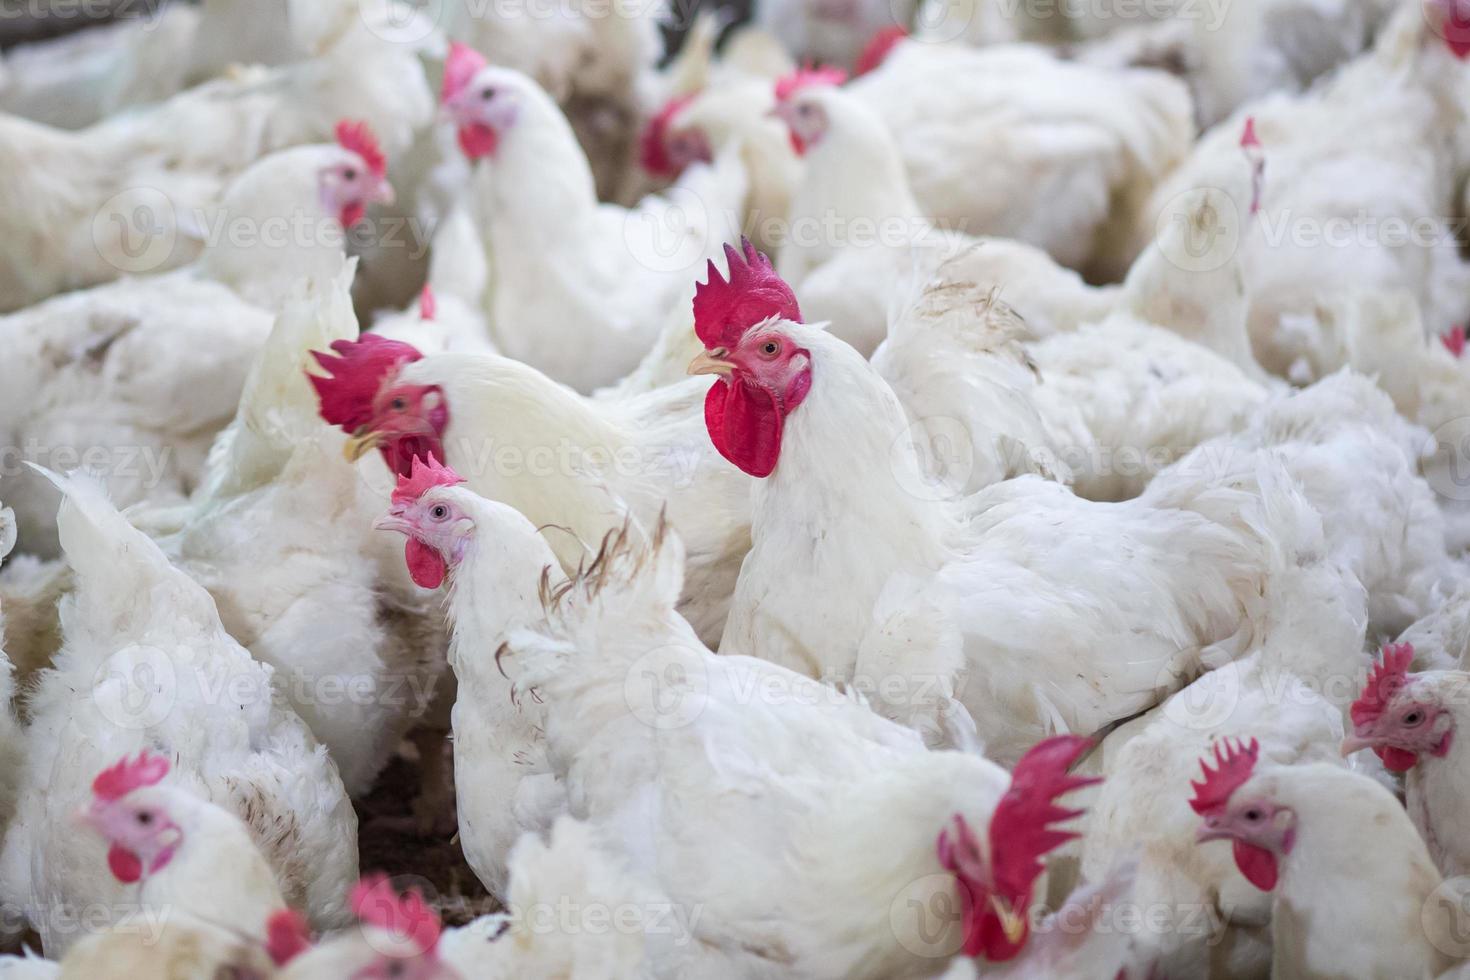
[384,193]
[360,443]
[712,362]
[393,522]
[1210,832]
[1013,925]
[1353,744]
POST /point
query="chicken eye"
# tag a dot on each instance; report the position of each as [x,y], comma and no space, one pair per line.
[1253,815]
[350,173]
[1414,717]
[395,969]
[487,94]
[771,348]
[398,404]
[145,818]
[439,512]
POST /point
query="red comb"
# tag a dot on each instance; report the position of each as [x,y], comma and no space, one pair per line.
[463,64]
[129,774]
[1384,681]
[428,305]
[878,48]
[346,394]
[789,85]
[358,138]
[1021,829]
[286,936]
[409,917]
[1233,766]
[423,477]
[725,309]
[1454,340]
[1248,136]
[653,156]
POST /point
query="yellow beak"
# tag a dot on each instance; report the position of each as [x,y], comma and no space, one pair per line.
[712,362]
[361,442]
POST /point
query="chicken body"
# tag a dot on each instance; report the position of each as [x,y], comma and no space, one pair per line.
[1009,141]
[279,532]
[131,194]
[100,378]
[582,297]
[585,460]
[1370,151]
[1289,692]
[1388,936]
[146,662]
[859,245]
[981,602]
[505,786]
[783,769]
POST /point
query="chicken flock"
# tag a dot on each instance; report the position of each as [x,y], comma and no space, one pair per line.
[956,488]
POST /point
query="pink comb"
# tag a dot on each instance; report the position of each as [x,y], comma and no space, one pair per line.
[428,305]
[1233,766]
[346,394]
[725,309]
[1454,340]
[462,65]
[653,156]
[423,477]
[1384,681]
[409,917]
[878,48]
[789,85]
[357,137]
[286,936]
[1248,138]
[1021,829]
[129,774]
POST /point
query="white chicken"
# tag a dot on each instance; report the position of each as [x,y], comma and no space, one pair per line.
[130,194]
[1011,141]
[582,297]
[1290,828]
[976,602]
[731,105]
[102,378]
[858,244]
[1355,460]
[1289,691]
[279,533]
[1412,722]
[146,664]
[595,62]
[1362,174]
[493,559]
[12,740]
[831,31]
[665,747]
[569,463]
